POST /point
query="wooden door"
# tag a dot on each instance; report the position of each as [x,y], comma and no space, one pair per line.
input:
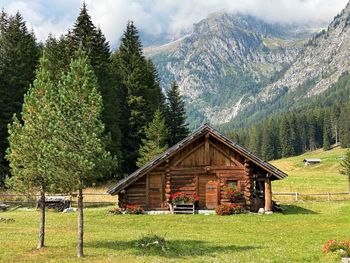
[155,191]
[212,194]
[208,196]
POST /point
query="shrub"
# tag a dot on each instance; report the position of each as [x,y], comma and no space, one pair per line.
[228,209]
[343,247]
[134,209]
[182,198]
[232,194]
[152,241]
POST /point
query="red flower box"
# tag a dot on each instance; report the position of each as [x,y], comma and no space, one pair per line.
[182,198]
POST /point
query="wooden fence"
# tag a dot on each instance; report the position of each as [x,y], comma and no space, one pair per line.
[90,199]
[102,199]
[296,196]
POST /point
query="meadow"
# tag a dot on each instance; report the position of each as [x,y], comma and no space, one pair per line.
[297,235]
[319,178]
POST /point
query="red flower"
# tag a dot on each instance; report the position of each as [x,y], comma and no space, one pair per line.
[180,197]
[228,209]
[232,194]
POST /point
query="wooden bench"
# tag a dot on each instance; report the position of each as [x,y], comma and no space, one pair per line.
[184,209]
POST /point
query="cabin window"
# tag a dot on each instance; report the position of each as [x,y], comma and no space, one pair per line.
[232,184]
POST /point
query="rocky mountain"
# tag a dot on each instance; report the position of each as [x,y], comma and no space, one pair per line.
[324,59]
[317,68]
[225,64]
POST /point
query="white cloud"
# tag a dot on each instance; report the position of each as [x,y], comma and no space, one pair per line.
[156,16]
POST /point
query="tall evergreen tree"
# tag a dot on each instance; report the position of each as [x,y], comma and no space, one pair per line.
[254,140]
[327,132]
[79,134]
[29,152]
[334,115]
[155,142]
[285,138]
[60,52]
[176,115]
[268,141]
[141,90]
[344,131]
[19,54]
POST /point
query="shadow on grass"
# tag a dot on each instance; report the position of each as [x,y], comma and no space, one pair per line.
[176,248]
[294,209]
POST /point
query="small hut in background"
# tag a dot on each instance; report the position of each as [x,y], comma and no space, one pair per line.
[311,161]
[204,163]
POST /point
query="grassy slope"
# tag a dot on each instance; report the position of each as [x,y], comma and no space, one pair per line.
[320,178]
[296,236]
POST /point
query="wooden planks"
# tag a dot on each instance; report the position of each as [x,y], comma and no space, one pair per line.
[155,191]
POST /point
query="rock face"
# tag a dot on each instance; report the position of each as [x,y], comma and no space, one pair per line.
[226,62]
[324,59]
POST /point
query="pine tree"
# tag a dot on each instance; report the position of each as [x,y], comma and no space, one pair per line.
[97,47]
[79,134]
[176,115]
[140,90]
[19,54]
[155,142]
[29,152]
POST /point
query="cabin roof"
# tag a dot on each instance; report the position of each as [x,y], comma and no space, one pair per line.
[180,145]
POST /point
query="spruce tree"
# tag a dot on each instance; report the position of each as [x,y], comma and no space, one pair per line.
[175,115]
[285,138]
[335,112]
[254,140]
[327,132]
[29,152]
[140,91]
[19,54]
[58,55]
[268,141]
[155,142]
[79,134]
[344,129]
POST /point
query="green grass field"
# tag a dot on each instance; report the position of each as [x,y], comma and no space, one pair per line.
[319,178]
[295,236]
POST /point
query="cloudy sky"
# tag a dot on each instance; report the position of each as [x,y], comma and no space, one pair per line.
[162,16]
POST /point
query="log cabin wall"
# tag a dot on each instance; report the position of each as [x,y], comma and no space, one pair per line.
[206,166]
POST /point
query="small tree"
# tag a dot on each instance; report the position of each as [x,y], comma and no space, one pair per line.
[155,142]
[29,151]
[345,164]
[176,115]
[79,144]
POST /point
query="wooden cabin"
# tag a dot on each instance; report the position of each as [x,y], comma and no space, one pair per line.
[205,163]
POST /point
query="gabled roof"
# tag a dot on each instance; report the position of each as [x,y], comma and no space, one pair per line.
[174,149]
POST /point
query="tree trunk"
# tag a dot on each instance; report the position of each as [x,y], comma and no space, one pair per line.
[80,221]
[42,220]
